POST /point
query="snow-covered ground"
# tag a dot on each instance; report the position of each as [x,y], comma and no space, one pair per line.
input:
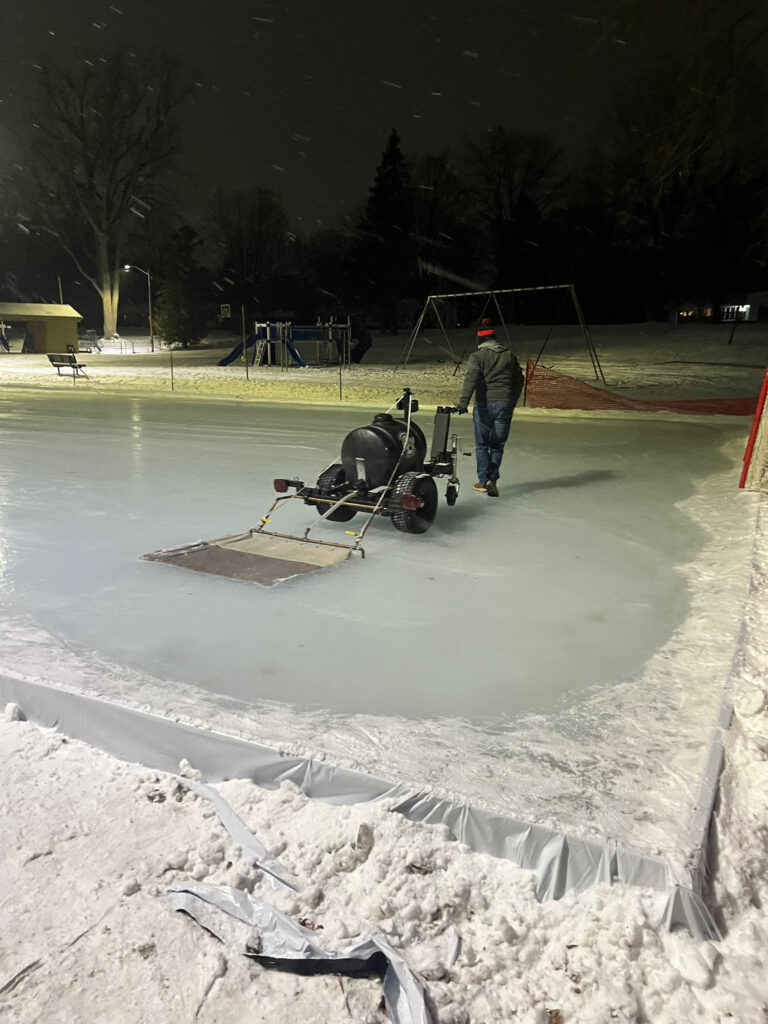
[90,845]
[646,361]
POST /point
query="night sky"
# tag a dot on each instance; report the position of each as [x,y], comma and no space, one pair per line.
[300,96]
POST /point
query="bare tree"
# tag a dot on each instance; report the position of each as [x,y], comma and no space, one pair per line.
[101,138]
[514,181]
[686,163]
[251,229]
[702,69]
[447,241]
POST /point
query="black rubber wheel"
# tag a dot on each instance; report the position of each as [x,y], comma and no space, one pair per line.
[417,445]
[417,520]
[451,494]
[328,482]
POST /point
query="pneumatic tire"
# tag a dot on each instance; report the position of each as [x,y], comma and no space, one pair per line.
[328,482]
[416,520]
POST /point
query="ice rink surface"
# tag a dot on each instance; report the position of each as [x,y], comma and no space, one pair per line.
[505,613]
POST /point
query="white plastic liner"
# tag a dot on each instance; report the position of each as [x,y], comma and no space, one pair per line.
[560,862]
[257,929]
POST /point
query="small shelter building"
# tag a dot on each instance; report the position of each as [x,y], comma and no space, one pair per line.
[49,327]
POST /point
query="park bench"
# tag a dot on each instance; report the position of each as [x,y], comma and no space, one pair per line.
[67,361]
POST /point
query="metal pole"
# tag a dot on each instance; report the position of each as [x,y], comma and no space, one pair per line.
[242,338]
[149,302]
[597,368]
[549,332]
[170,350]
[406,353]
[61,294]
[499,291]
[503,321]
[146,273]
[445,333]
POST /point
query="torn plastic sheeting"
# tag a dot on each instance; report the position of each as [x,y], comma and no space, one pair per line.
[242,835]
[276,940]
[237,905]
[560,862]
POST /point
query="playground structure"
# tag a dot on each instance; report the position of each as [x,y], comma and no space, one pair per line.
[277,344]
[491,308]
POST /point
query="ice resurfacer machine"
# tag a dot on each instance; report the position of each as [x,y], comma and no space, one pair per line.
[384,470]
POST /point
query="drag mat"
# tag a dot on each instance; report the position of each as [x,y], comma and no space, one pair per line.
[252,558]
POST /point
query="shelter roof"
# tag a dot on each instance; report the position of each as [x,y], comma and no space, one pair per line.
[37,311]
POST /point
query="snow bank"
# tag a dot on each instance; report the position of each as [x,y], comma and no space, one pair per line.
[94,938]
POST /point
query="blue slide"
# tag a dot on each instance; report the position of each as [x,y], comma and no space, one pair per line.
[294,354]
[237,351]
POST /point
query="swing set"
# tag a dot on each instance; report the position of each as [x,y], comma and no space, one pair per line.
[491,302]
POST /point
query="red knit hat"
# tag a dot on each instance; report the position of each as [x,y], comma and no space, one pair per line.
[486,331]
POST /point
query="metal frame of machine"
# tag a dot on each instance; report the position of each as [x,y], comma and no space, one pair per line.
[384,470]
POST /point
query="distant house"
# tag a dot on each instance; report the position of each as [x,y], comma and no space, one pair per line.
[48,327]
[738,306]
[745,307]
[694,311]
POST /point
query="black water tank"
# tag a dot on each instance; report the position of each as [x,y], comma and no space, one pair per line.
[380,445]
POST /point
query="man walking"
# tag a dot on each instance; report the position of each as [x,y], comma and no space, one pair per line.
[496,380]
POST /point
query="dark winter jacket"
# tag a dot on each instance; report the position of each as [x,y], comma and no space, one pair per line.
[493,375]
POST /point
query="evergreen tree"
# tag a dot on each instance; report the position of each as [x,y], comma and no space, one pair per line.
[179,314]
[384,256]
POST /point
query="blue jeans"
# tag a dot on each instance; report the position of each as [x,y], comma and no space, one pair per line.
[491,421]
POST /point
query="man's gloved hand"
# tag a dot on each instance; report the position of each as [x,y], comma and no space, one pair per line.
[461,409]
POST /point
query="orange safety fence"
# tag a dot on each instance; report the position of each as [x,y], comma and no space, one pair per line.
[545,388]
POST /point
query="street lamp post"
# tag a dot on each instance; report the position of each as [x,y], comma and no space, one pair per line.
[146,273]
